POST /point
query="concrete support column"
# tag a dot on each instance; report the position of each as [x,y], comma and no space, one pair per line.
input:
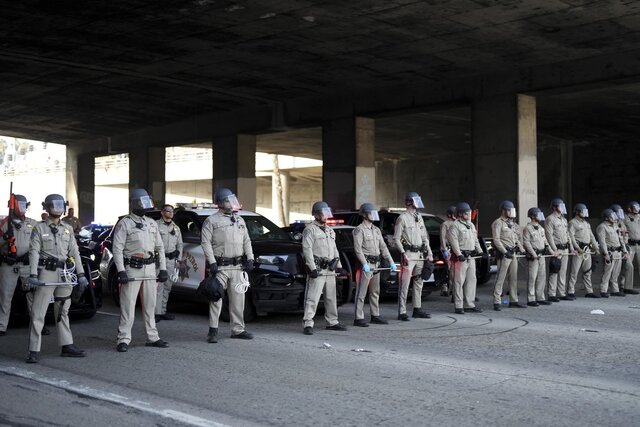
[234,167]
[86,188]
[72,179]
[280,197]
[504,155]
[348,169]
[147,170]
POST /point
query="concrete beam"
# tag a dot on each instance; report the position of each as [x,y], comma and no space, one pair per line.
[146,170]
[234,167]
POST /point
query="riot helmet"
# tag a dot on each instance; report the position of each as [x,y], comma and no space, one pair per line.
[226,200]
[55,205]
[634,207]
[140,201]
[617,209]
[609,215]
[581,209]
[369,211]
[321,211]
[451,211]
[462,208]
[508,207]
[413,199]
[21,205]
[535,213]
[558,203]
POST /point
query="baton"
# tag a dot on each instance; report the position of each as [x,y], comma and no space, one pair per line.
[59,284]
[135,279]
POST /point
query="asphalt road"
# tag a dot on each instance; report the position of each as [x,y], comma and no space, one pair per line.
[557,365]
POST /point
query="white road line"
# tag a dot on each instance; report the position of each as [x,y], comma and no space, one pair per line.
[113,398]
[108,314]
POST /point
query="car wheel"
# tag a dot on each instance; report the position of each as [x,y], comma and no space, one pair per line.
[249,308]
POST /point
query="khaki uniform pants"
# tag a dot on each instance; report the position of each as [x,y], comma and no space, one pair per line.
[9,275]
[41,299]
[634,258]
[128,295]
[325,281]
[370,281]
[229,276]
[611,273]
[414,268]
[507,270]
[464,280]
[536,282]
[164,289]
[448,285]
[582,265]
[558,282]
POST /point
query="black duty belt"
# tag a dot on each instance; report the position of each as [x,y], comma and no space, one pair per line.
[615,249]
[223,261]
[172,255]
[372,258]
[51,264]
[9,260]
[634,242]
[562,246]
[412,248]
[139,262]
[325,263]
[583,244]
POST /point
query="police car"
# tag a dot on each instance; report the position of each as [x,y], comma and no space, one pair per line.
[278,280]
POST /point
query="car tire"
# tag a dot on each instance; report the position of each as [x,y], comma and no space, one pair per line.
[249,308]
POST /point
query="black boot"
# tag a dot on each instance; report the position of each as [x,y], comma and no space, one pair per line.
[419,314]
[32,357]
[72,351]
[212,336]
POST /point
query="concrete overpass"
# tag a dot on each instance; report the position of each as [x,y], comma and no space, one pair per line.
[458,99]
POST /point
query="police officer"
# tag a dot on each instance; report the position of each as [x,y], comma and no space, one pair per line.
[536,245]
[585,243]
[507,241]
[370,248]
[72,221]
[136,244]
[53,258]
[557,230]
[322,259]
[463,239]
[445,249]
[612,250]
[227,248]
[412,241]
[172,242]
[632,223]
[14,266]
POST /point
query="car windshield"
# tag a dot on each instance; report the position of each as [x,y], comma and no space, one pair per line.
[432,223]
[261,229]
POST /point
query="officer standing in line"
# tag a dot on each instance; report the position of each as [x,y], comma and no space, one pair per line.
[172,242]
[584,242]
[370,248]
[322,260]
[536,245]
[506,240]
[625,266]
[14,266]
[227,248]
[52,251]
[612,250]
[446,250]
[557,230]
[136,240]
[412,241]
[463,239]
[72,221]
[632,223]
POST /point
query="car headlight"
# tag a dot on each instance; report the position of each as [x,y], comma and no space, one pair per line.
[270,260]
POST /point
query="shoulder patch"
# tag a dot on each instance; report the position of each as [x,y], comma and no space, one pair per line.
[357,230]
[307,232]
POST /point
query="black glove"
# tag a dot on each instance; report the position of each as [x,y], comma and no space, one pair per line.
[163,276]
[248,266]
[123,278]
[484,255]
[508,254]
[32,283]
[314,274]
[213,268]
[462,258]
[83,283]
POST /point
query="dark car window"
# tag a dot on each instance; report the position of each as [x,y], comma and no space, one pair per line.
[344,237]
[260,229]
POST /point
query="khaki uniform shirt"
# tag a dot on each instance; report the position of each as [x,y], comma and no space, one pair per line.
[506,234]
[368,240]
[462,236]
[47,244]
[73,222]
[410,230]
[171,237]
[534,238]
[622,231]
[225,235]
[557,230]
[632,222]
[580,233]
[608,237]
[319,241]
[444,229]
[22,235]
[137,236]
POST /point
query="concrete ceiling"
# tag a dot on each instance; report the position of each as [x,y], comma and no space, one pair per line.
[73,71]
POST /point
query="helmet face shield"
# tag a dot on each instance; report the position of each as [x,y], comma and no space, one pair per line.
[614,217]
[417,202]
[619,213]
[540,216]
[563,208]
[144,202]
[57,207]
[231,202]
[325,213]
[511,212]
[373,216]
[634,207]
[21,207]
